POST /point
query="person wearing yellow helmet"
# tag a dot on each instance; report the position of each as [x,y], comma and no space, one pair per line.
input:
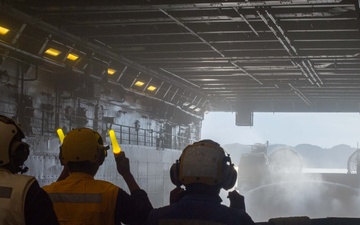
[80,199]
[22,201]
[204,169]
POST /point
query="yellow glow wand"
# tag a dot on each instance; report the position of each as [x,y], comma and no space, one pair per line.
[115,145]
[61,135]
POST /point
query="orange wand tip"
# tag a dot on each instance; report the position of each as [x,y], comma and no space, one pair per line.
[115,146]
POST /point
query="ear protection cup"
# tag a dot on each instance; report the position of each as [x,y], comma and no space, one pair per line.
[102,150]
[19,152]
[174,174]
[12,149]
[102,153]
[229,174]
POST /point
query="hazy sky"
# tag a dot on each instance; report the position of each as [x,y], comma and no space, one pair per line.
[323,129]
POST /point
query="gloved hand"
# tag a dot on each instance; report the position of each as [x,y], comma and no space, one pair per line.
[122,164]
[123,167]
[236,200]
[176,194]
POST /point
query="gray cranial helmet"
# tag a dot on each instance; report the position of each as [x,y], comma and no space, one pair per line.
[11,146]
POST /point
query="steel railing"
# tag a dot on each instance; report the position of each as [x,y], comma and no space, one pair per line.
[42,122]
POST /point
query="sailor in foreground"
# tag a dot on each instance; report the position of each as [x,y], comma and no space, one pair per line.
[22,201]
[203,168]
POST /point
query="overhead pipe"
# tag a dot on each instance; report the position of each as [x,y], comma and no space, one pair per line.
[173,74]
[308,70]
[296,91]
[207,43]
[246,21]
[190,7]
[310,73]
[305,74]
[300,94]
[291,52]
[274,32]
[314,72]
[282,32]
[309,67]
[192,32]
[267,58]
[239,67]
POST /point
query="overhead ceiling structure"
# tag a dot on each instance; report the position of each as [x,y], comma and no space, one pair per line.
[268,56]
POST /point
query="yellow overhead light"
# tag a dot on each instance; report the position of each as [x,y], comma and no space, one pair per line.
[52,51]
[192,107]
[111,71]
[151,88]
[197,109]
[3,30]
[139,83]
[72,57]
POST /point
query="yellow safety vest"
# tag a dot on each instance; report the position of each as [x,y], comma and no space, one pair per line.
[13,189]
[82,200]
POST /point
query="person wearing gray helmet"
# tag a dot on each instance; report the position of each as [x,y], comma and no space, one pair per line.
[203,169]
[22,200]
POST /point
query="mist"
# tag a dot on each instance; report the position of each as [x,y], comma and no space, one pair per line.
[284,184]
[279,184]
[302,195]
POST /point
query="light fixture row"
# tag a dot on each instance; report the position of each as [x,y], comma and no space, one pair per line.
[192,106]
[54,52]
[72,56]
[51,51]
[140,83]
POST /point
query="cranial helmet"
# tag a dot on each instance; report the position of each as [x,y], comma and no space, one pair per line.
[204,162]
[12,149]
[83,144]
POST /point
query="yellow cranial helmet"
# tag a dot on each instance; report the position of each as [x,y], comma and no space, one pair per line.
[83,144]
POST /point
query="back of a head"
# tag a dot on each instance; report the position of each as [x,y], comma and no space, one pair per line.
[13,152]
[204,163]
[82,146]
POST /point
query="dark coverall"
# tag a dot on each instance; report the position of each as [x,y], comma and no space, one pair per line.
[199,209]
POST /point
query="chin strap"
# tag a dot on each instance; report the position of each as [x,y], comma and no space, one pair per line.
[22,169]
